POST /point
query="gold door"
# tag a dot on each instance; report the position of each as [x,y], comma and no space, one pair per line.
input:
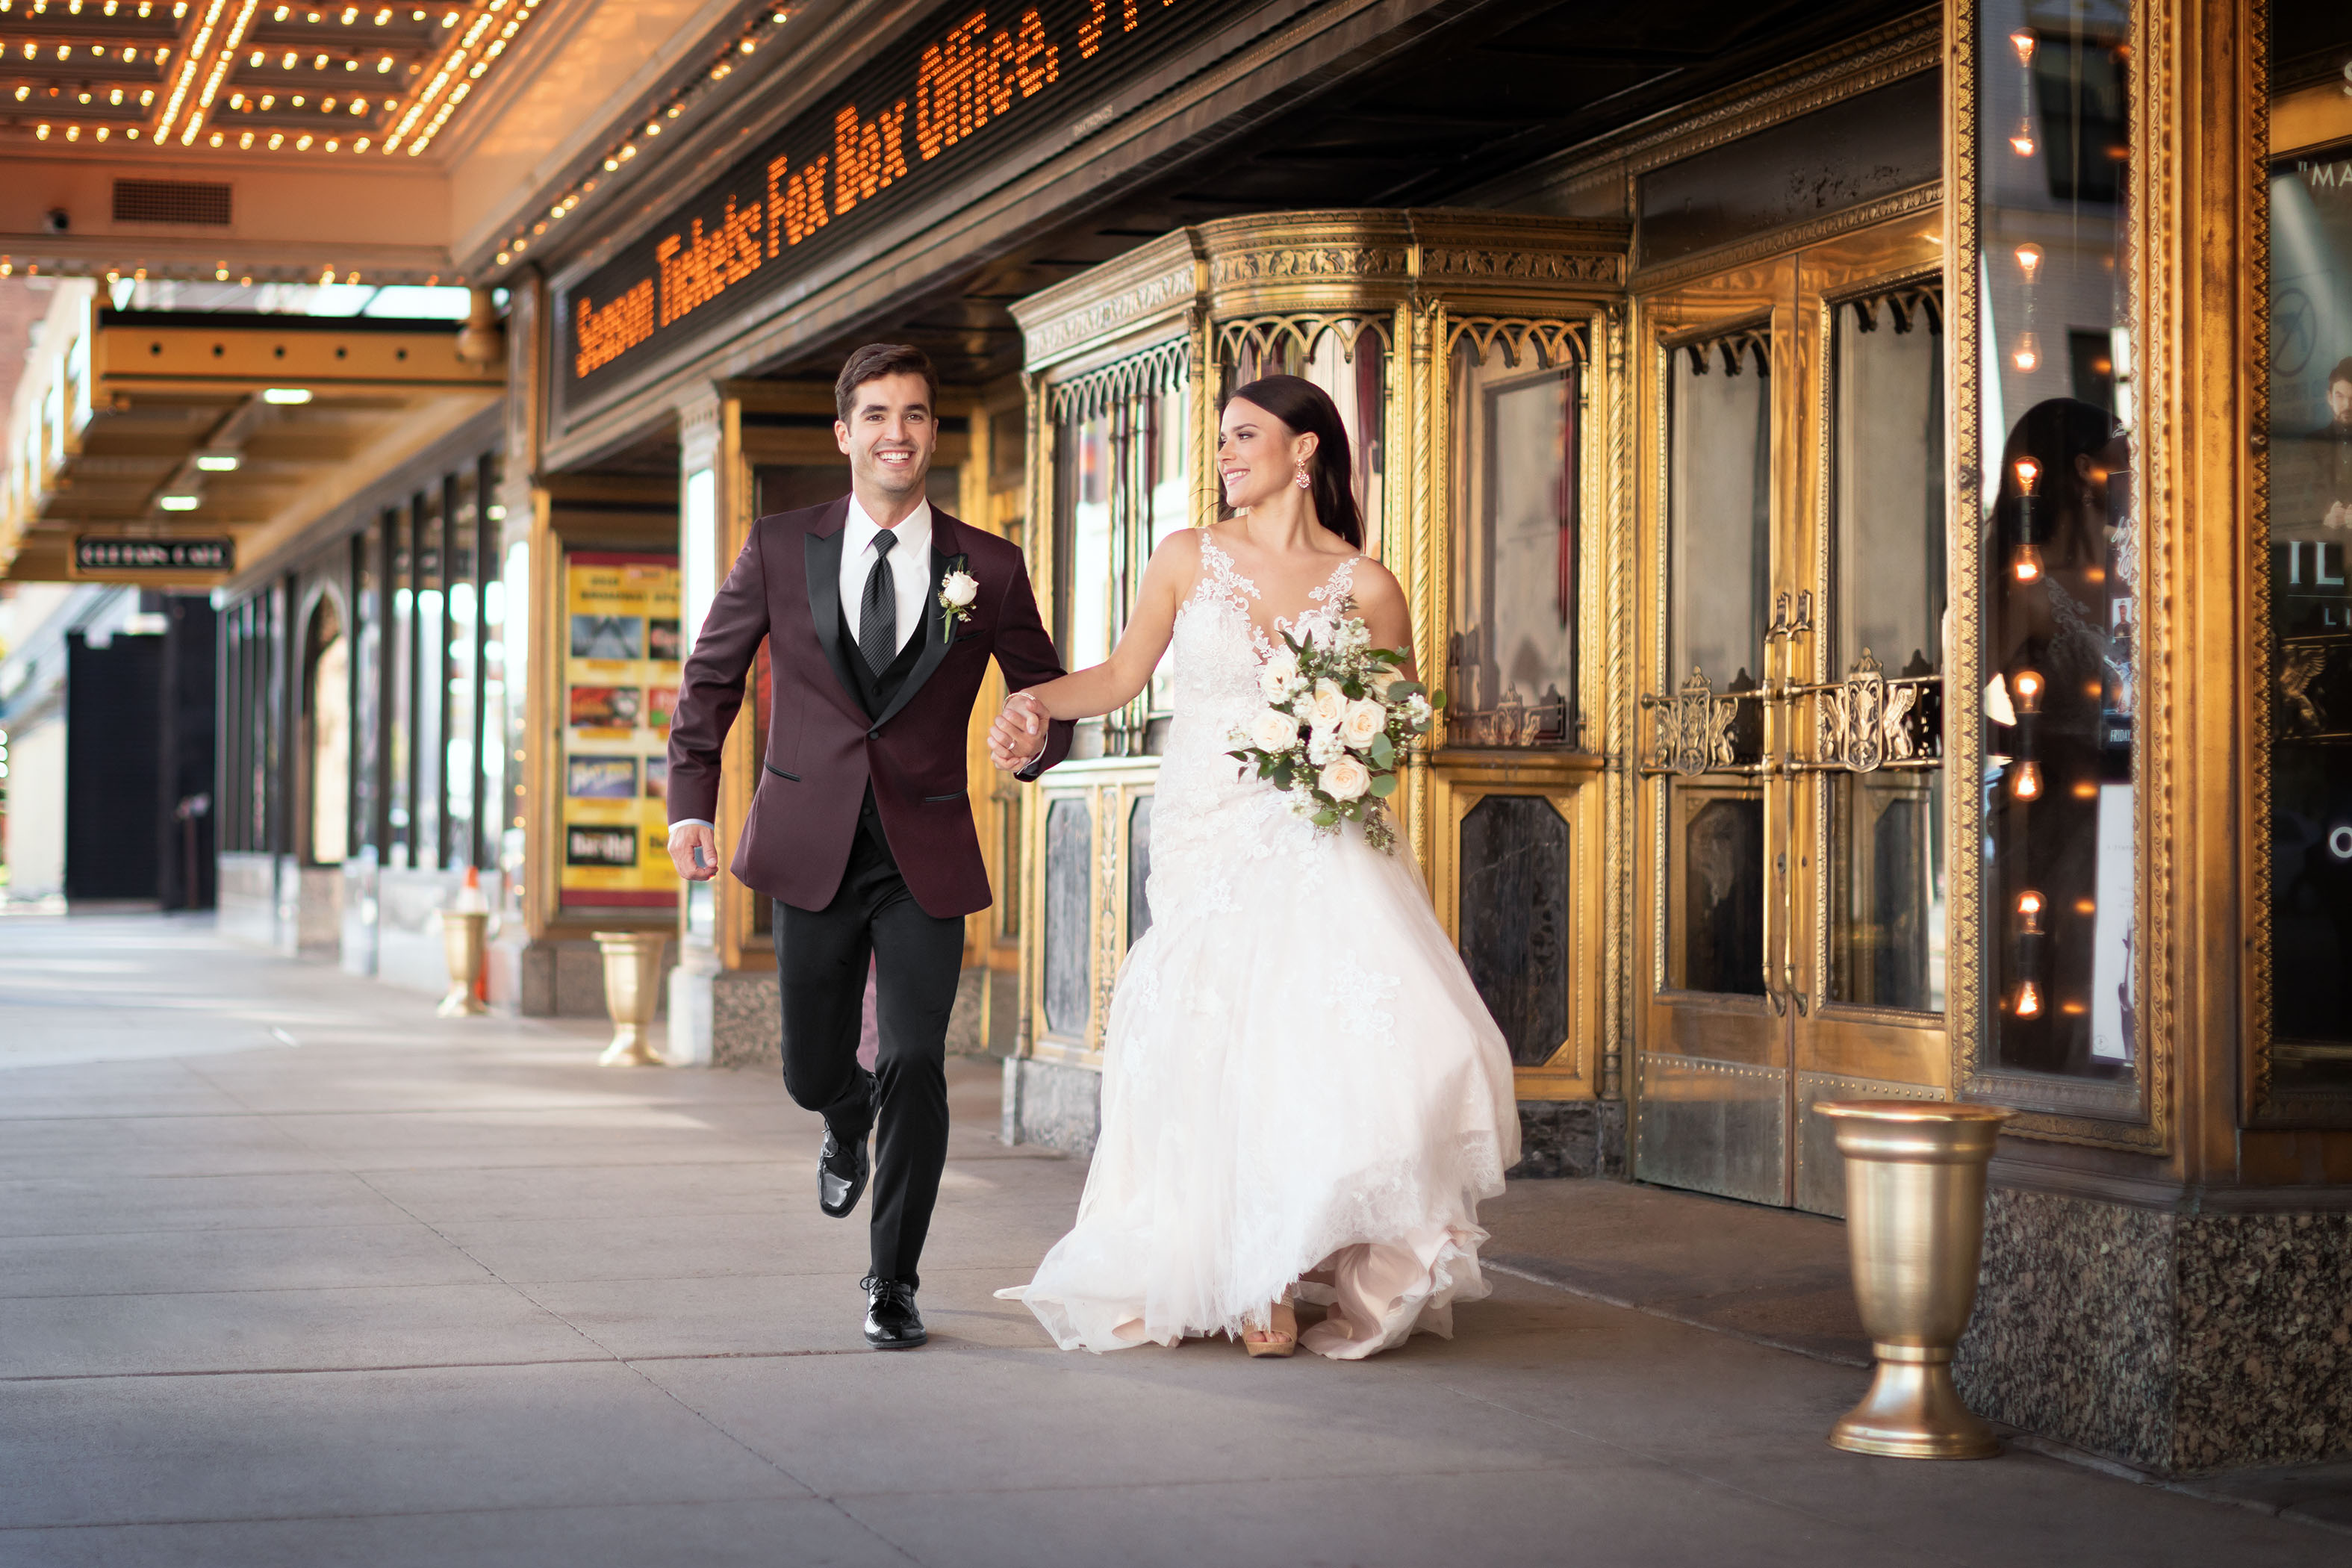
[1792,821]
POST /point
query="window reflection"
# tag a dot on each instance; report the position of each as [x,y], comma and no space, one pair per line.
[2310,652]
[1719,576]
[1511,658]
[1887,865]
[2060,545]
[1123,485]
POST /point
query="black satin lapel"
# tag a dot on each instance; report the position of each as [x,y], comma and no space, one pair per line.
[935,637]
[824,560]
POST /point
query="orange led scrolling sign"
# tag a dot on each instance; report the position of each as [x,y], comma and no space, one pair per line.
[833,173]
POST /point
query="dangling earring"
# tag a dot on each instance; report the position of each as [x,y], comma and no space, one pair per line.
[1304,482]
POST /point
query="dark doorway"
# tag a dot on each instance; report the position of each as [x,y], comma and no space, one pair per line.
[114,705]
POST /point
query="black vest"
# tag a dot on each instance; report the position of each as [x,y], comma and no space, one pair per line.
[875,692]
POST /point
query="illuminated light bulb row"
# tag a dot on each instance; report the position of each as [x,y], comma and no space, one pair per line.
[748,42]
[220,274]
[98,52]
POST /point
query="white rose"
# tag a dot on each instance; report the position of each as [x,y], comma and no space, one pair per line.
[1283,664]
[1273,730]
[1364,720]
[1330,704]
[1324,746]
[1346,779]
[958,589]
[1271,685]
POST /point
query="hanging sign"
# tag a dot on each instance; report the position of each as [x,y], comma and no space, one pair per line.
[108,555]
[956,88]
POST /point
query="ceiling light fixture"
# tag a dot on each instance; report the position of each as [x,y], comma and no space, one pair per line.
[286,396]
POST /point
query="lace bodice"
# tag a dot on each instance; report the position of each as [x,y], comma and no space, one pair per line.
[1206,807]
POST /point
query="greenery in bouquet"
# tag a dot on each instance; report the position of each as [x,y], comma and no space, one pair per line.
[1336,725]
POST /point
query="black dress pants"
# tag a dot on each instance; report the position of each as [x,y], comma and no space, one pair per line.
[821,964]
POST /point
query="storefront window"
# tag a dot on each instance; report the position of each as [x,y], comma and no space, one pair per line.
[2061,545]
[1123,485]
[2310,525]
[1511,655]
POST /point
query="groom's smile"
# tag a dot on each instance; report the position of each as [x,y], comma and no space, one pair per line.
[889,437]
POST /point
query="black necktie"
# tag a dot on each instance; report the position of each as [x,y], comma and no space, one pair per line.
[878,615]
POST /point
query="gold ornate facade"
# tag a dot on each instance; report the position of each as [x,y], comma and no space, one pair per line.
[1127,369]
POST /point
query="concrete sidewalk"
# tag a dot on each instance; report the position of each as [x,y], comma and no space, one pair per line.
[293,1272]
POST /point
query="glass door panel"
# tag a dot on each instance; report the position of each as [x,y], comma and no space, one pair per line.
[1718,597]
[1884,910]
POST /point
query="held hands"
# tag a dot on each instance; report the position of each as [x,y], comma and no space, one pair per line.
[1018,737]
[694,850]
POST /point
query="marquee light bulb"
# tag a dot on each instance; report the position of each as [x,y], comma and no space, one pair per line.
[2022,140]
[2028,566]
[2027,471]
[2029,781]
[2029,260]
[2029,912]
[2028,687]
[2028,354]
[2023,42]
[2029,1000]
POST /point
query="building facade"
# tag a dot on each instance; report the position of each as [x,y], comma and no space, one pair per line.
[1867,479]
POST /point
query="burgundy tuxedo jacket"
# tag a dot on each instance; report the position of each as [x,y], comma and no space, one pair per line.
[823,749]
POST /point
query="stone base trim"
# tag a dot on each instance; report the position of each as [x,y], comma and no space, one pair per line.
[1572,1138]
[2177,1343]
[1051,1105]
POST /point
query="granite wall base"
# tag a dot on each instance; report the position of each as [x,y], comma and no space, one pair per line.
[1572,1138]
[1051,1105]
[2179,1342]
[553,979]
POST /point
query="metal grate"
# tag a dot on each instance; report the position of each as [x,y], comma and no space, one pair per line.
[170,200]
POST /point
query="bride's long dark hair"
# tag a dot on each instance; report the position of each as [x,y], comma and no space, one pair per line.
[1307,408]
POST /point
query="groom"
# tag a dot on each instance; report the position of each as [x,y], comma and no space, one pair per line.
[880,614]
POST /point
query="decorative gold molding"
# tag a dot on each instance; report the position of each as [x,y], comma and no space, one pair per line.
[1795,236]
[1872,60]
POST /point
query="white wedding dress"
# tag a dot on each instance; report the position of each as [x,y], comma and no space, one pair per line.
[1299,1081]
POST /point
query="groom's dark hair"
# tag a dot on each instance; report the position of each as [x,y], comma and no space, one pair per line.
[875,361]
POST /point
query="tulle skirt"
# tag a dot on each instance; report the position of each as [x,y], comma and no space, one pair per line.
[1300,1085]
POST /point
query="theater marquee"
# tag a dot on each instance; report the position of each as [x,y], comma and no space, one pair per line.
[967,82]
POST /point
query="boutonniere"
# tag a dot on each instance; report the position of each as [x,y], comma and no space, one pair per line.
[958,590]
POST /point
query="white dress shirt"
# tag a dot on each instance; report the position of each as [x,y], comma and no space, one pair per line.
[910,579]
[911,567]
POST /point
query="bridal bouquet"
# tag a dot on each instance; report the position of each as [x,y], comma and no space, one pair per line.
[1334,729]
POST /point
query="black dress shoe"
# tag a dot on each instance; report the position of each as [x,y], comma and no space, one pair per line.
[891,1322]
[841,1175]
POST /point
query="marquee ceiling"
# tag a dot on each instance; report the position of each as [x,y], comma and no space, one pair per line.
[273,81]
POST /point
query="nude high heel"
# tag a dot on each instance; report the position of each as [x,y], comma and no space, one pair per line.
[1282,1331]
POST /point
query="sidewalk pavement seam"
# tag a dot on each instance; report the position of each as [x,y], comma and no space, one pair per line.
[1533,1273]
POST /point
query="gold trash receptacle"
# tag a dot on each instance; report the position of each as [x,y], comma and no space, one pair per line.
[633,975]
[1915,1193]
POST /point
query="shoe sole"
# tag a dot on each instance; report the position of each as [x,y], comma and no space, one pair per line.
[898,1344]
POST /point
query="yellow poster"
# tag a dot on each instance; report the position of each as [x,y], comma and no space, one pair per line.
[621,650]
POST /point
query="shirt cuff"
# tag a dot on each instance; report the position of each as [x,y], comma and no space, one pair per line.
[689,822]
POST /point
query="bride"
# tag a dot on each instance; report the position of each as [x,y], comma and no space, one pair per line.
[1303,1097]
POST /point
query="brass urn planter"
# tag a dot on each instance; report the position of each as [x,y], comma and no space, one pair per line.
[632,994]
[1915,1192]
[462,927]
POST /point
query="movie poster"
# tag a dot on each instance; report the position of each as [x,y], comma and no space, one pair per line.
[621,654]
